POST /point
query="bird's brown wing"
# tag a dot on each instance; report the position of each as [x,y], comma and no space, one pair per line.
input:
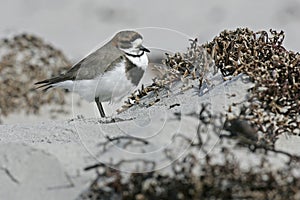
[89,67]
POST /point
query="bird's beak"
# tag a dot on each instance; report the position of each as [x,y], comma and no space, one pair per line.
[144,49]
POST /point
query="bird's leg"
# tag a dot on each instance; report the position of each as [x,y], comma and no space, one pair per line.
[100,108]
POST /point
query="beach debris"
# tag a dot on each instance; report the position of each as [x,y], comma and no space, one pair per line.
[274,104]
[24,60]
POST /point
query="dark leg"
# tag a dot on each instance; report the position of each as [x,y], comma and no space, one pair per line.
[100,108]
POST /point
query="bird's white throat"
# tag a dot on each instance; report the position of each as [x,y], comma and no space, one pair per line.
[141,61]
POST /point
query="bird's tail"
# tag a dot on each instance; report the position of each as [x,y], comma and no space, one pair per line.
[48,83]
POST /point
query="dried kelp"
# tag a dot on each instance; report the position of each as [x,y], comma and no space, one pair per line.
[24,60]
[274,104]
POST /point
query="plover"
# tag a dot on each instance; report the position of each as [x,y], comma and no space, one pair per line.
[107,74]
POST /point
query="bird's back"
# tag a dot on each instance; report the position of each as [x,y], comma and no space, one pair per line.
[95,63]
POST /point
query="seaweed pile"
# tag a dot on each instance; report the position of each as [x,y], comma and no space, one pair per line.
[217,181]
[274,104]
[24,60]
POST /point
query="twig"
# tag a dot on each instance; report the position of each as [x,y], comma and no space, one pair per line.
[125,137]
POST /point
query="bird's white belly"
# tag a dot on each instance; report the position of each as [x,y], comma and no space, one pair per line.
[111,86]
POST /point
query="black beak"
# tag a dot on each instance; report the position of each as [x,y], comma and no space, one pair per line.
[144,49]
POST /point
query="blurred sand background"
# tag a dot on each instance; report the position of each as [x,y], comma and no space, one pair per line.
[77,26]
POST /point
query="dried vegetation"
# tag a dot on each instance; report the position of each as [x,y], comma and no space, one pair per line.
[24,60]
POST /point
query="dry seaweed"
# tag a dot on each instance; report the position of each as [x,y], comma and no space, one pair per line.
[274,104]
[24,60]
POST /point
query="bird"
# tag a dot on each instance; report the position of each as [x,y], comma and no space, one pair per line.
[108,73]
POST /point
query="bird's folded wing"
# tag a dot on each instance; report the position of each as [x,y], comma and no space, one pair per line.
[91,66]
